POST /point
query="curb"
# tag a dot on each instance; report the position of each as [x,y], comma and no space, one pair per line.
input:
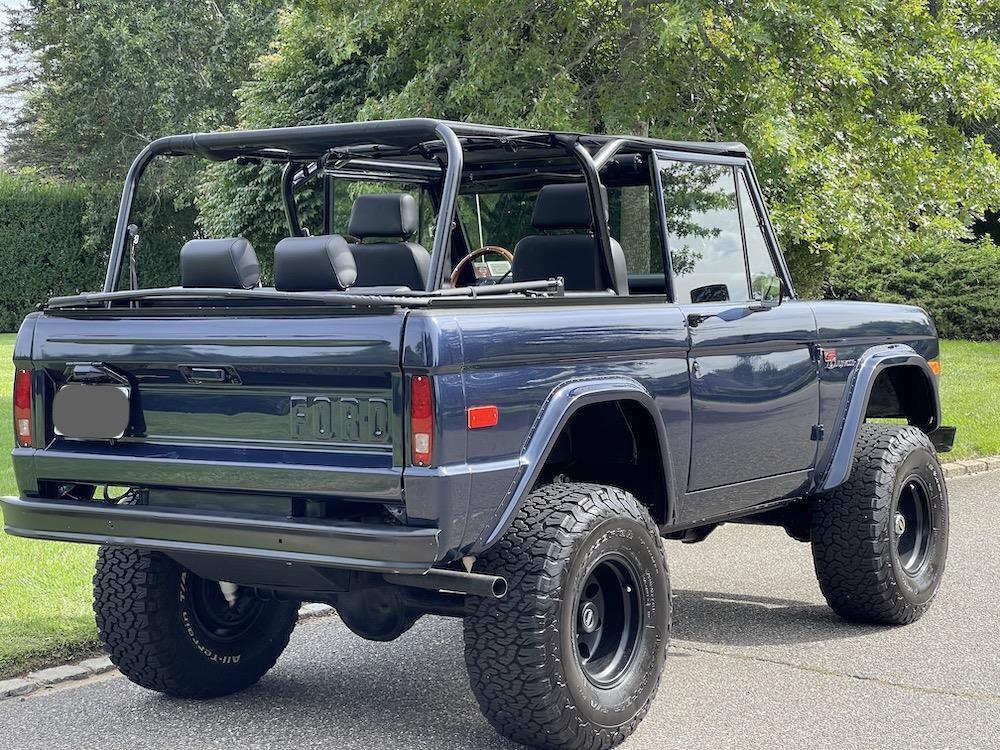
[45,678]
[970,466]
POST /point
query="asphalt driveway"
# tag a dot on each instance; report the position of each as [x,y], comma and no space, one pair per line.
[758,661]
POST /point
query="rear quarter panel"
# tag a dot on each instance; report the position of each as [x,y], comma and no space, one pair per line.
[515,358]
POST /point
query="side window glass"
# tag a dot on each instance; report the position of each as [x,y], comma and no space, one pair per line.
[765,284]
[633,220]
[703,231]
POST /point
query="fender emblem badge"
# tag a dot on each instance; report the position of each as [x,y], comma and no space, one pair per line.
[830,361]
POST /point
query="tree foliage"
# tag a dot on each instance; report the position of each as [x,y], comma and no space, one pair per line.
[107,77]
[861,116]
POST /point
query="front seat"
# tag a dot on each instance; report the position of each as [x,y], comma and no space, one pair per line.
[577,257]
[387,264]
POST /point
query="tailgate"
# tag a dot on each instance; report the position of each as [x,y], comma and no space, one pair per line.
[266,403]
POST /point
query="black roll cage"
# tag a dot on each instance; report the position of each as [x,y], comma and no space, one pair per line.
[414,150]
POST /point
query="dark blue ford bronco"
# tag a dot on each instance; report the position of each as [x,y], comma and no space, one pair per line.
[486,372]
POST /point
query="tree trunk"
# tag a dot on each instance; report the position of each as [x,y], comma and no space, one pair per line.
[635,230]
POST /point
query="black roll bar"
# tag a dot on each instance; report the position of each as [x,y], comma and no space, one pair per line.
[288,198]
[301,144]
[125,211]
[598,207]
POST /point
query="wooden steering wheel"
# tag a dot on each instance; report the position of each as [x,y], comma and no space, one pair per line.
[484,250]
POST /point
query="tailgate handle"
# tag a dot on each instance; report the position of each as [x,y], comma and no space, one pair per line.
[209,374]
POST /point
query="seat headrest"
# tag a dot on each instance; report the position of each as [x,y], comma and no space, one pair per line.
[389,215]
[229,263]
[564,207]
[314,264]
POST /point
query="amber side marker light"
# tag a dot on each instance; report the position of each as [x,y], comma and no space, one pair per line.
[483,416]
[935,365]
[22,408]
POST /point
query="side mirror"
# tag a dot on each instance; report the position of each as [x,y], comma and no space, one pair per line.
[766,292]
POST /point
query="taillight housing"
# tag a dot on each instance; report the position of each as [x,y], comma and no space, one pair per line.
[22,408]
[421,420]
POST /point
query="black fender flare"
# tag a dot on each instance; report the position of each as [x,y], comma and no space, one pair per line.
[835,466]
[562,403]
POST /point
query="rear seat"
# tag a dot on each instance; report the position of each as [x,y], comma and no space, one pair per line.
[228,263]
[314,264]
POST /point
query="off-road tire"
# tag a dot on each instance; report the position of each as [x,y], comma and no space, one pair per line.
[855,542]
[521,651]
[148,621]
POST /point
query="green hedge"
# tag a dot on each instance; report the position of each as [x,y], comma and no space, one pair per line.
[54,239]
[957,283]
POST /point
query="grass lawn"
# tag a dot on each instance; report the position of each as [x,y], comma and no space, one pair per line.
[44,586]
[970,396]
[45,594]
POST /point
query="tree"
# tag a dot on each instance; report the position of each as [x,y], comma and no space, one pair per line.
[107,77]
[855,111]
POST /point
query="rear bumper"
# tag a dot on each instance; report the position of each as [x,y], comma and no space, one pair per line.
[307,541]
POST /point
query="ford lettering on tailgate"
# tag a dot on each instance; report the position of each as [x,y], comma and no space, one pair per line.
[341,420]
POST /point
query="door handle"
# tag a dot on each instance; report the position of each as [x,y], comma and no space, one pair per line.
[731,314]
[209,374]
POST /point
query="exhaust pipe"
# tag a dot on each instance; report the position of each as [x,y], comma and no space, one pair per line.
[456,581]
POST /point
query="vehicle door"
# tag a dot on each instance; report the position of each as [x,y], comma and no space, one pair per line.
[751,362]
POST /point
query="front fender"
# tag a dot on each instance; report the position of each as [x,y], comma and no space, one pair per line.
[556,411]
[835,468]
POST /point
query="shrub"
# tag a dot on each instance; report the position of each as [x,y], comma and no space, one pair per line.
[54,239]
[957,283]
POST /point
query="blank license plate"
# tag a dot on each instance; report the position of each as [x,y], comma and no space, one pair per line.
[96,412]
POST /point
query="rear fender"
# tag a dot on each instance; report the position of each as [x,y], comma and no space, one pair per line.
[835,467]
[555,413]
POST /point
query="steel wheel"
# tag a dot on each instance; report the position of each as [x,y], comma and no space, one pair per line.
[609,621]
[913,525]
[214,614]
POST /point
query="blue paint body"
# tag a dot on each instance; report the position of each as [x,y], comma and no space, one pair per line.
[734,400]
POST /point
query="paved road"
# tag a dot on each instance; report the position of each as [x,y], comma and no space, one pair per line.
[758,661]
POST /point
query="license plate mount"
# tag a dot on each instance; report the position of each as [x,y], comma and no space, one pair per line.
[91,412]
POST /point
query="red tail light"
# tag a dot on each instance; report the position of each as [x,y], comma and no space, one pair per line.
[421,420]
[22,408]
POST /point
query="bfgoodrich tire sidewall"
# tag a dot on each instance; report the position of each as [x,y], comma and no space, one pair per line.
[632,542]
[920,587]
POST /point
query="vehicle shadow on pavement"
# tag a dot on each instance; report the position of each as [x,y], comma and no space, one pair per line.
[353,694]
[728,619]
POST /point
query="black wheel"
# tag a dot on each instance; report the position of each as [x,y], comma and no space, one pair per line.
[880,540]
[168,630]
[571,657]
